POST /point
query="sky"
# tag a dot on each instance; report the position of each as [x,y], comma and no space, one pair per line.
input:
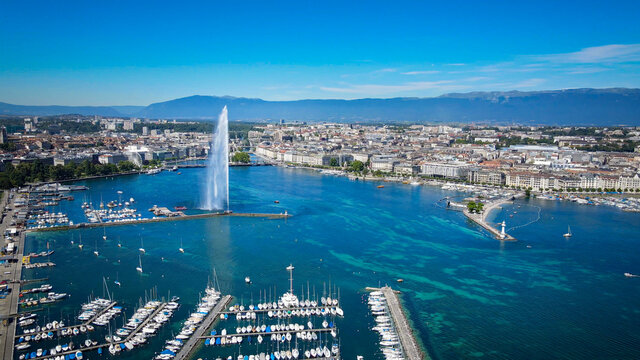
[137,53]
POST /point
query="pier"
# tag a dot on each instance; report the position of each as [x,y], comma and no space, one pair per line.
[480,219]
[162,219]
[88,322]
[191,343]
[408,342]
[281,332]
[129,337]
[9,305]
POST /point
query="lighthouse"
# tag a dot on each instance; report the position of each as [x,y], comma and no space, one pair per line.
[502,233]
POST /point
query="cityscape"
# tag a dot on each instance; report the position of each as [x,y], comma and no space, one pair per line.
[252,181]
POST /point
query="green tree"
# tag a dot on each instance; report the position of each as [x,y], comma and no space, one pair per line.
[333,162]
[241,157]
[357,166]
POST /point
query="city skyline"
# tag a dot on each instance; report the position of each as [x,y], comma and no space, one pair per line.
[111,55]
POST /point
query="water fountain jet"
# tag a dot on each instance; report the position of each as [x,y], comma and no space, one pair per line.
[216,187]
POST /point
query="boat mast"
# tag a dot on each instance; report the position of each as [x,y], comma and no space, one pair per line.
[290,269]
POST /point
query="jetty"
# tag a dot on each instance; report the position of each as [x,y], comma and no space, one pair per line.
[197,336]
[284,215]
[408,342]
[9,305]
[88,322]
[481,219]
[129,337]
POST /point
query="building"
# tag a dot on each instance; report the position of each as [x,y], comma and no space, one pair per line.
[3,135]
[482,176]
[145,131]
[445,170]
[127,125]
[29,126]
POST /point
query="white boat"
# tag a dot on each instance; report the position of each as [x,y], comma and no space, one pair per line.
[247,280]
[139,268]
[181,249]
[568,234]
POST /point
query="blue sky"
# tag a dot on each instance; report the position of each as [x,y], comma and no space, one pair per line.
[136,53]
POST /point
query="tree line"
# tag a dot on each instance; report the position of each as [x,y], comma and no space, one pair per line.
[37,171]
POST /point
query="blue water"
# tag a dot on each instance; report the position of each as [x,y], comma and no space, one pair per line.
[468,295]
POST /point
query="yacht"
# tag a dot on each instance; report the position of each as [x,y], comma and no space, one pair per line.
[95,252]
[142,250]
[181,249]
[247,280]
[568,234]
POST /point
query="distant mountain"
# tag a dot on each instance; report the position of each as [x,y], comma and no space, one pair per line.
[616,106]
[577,106]
[43,110]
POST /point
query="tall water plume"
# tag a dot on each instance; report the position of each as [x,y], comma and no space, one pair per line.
[216,188]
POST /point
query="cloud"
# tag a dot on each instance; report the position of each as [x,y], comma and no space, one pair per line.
[614,53]
[379,89]
[425,72]
[387,70]
[586,70]
[456,64]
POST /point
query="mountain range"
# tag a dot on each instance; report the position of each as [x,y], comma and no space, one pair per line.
[602,107]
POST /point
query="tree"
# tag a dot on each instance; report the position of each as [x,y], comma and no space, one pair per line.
[124,166]
[357,166]
[527,193]
[241,157]
[333,162]
[471,206]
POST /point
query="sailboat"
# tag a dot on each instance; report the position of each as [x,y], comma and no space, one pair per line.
[117,282]
[139,268]
[95,252]
[181,249]
[80,244]
[104,236]
[141,246]
[568,234]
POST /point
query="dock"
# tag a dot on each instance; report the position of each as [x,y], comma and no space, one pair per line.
[282,332]
[196,338]
[408,342]
[162,219]
[88,322]
[129,337]
[9,305]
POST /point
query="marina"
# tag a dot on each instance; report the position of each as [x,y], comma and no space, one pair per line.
[240,247]
[385,302]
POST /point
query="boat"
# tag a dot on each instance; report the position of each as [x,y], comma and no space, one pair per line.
[568,234]
[154,171]
[117,281]
[139,268]
[142,250]
[104,236]
[247,280]
[277,201]
[181,249]
[80,246]
[630,275]
[380,186]
[180,208]
[95,252]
